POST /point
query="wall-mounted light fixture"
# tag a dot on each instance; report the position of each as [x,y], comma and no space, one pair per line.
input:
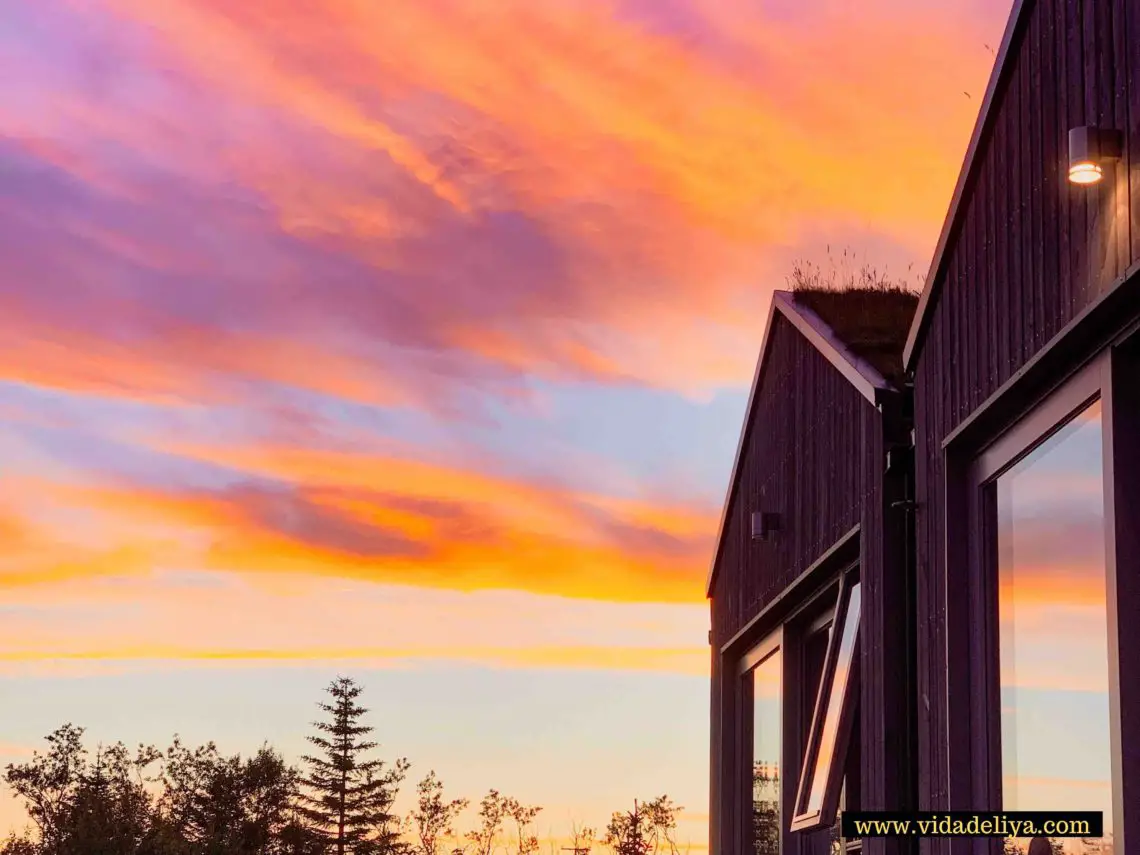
[763,524]
[1090,150]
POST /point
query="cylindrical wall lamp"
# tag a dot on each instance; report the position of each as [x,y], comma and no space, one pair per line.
[764,524]
[1090,149]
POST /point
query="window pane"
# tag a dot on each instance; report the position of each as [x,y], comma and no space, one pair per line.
[1052,603]
[835,702]
[766,756]
[815,654]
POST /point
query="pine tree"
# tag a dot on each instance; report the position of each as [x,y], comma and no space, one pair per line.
[628,833]
[349,798]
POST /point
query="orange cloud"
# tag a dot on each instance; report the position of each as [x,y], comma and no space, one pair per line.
[76,361]
[603,77]
[693,661]
[163,617]
[1077,587]
[53,359]
[404,521]
[36,554]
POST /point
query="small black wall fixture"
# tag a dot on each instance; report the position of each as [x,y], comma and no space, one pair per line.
[1090,149]
[764,524]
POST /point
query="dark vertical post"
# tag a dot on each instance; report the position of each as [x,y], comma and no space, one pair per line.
[964,748]
[716,750]
[791,745]
[896,738]
[1121,415]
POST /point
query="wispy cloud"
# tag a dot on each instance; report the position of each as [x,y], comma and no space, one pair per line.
[401,212]
[684,660]
[295,292]
[218,618]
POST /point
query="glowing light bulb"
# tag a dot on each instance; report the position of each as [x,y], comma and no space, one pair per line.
[1085,172]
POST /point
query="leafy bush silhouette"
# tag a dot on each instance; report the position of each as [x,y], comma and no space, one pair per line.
[198,801]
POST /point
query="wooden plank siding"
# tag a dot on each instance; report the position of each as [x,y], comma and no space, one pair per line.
[1031,252]
[816,455]
[800,462]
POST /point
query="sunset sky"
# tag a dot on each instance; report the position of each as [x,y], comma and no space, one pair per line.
[410,340]
[1054,631]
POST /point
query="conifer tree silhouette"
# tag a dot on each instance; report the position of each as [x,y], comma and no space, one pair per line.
[628,833]
[348,797]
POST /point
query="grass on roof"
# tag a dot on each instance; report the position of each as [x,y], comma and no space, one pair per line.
[869,311]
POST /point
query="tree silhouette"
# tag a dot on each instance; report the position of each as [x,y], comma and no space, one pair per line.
[523,815]
[48,783]
[197,801]
[19,844]
[111,812]
[582,839]
[645,830]
[493,811]
[765,808]
[346,797]
[433,818]
[80,806]
[661,815]
[219,804]
[627,833]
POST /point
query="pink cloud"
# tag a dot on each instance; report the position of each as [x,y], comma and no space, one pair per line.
[444,208]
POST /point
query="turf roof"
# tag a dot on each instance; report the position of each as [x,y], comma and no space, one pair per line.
[872,321]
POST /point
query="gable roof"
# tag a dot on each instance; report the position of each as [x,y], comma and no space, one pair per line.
[865,340]
[987,114]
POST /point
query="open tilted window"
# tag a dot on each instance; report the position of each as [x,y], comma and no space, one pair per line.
[825,758]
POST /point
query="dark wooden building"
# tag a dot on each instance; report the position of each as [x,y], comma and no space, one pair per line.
[986,498]
[814,532]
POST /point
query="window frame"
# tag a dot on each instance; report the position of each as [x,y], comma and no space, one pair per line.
[848,699]
[804,607]
[771,645]
[973,702]
[758,653]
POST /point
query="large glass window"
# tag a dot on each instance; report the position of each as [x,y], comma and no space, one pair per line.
[796,699]
[1053,630]
[766,745]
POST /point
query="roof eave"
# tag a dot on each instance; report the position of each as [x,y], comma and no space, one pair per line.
[867,379]
[745,430]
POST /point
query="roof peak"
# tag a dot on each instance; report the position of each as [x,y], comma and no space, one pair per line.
[840,347]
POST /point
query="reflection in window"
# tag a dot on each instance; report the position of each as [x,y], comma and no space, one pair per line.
[850,798]
[1052,605]
[834,703]
[814,660]
[814,657]
[827,741]
[766,756]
